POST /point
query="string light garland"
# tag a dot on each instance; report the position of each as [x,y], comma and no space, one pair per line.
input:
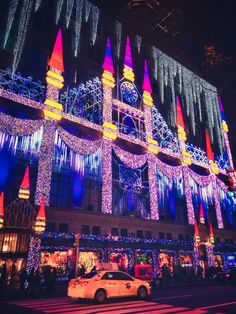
[152,182]
[130,160]
[77,25]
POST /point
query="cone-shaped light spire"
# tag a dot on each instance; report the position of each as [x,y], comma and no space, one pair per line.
[196,232]
[108,64]
[24,191]
[210,155]
[146,80]
[40,223]
[180,119]
[56,59]
[201,215]
[211,234]
[1,209]
[128,56]
[41,213]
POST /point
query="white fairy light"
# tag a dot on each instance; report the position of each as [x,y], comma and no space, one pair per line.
[58,10]
[118,31]
[37,5]
[69,9]
[10,19]
[22,30]
[78,22]
[87,9]
[95,18]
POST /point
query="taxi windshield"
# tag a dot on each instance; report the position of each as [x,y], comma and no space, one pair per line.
[90,275]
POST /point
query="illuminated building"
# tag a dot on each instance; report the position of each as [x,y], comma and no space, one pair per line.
[123,162]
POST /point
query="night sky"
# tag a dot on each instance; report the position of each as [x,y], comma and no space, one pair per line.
[199,23]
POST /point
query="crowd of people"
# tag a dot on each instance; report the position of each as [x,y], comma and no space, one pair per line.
[31,282]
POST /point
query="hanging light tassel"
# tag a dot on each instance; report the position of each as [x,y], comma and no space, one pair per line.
[40,223]
[10,19]
[211,234]
[22,30]
[1,210]
[138,42]
[95,18]
[69,9]
[58,10]
[24,191]
[37,5]
[78,23]
[118,30]
[87,6]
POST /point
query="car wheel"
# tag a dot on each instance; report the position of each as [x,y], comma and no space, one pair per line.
[100,296]
[142,292]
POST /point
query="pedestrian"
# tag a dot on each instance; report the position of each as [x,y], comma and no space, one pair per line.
[3,275]
[32,281]
[22,280]
[47,277]
[53,278]
[37,281]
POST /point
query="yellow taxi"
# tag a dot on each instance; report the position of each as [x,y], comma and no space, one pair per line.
[100,285]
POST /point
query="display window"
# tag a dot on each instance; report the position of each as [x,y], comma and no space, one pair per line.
[218,262]
[185,260]
[166,261]
[88,261]
[57,259]
[121,259]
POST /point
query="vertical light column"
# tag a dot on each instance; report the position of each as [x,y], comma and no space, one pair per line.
[109,130]
[186,161]
[152,144]
[52,114]
[217,203]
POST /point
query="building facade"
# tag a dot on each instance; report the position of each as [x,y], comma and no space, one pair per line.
[109,168]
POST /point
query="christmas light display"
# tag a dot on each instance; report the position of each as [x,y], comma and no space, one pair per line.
[69,8]
[10,19]
[37,5]
[95,18]
[40,222]
[87,9]
[77,25]
[188,195]
[130,160]
[138,42]
[153,192]
[45,162]
[22,31]
[34,254]
[118,31]
[167,70]
[107,177]
[24,191]
[59,4]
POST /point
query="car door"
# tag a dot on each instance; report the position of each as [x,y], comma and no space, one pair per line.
[127,284]
[110,284]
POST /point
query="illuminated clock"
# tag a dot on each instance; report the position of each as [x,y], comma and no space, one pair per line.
[129,92]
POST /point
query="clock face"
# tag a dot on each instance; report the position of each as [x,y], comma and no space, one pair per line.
[129,92]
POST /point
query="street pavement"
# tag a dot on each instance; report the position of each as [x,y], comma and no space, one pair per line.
[200,299]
